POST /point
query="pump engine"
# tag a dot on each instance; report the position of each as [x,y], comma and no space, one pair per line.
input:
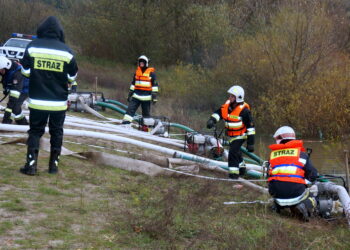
[206,145]
[157,125]
[90,98]
[326,202]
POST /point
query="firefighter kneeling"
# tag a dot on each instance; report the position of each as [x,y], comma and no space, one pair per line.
[290,172]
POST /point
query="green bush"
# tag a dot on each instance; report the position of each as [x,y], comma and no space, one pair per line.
[293,72]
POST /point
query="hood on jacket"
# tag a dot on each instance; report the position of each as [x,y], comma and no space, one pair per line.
[50,28]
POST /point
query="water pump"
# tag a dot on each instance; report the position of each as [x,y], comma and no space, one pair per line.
[326,202]
[90,98]
[156,125]
[207,145]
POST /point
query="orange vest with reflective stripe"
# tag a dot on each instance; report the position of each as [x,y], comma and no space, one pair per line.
[285,164]
[233,122]
[143,80]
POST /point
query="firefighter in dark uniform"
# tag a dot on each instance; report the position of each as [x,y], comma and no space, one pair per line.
[239,127]
[289,173]
[50,65]
[143,90]
[15,85]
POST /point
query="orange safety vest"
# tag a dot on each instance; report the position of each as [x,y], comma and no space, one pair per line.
[143,80]
[285,162]
[233,122]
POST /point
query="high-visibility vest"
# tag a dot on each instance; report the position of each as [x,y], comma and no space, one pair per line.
[285,162]
[233,122]
[143,80]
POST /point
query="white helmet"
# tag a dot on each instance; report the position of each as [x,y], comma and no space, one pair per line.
[238,92]
[143,57]
[284,133]
[5,63]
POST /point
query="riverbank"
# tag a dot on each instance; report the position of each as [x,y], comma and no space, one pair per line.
[95,206]
[189,94]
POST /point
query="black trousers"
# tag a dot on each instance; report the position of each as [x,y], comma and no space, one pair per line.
[235,154]
[285,190]
[37,123]
[135,103]
[16,103]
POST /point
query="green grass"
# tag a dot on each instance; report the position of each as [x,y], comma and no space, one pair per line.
[14,205]
[5,226]
[89,206]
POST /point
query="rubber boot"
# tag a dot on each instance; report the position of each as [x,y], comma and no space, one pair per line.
[303,211]
[276,208]
[233,172]
[242,168]
[7,118]
[31,165]
[54,159]
[310,204]
[22,121]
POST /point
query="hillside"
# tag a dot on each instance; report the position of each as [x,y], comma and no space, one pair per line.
[89,205]
[291,57]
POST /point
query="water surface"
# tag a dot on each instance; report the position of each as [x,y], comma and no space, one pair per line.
[327,156]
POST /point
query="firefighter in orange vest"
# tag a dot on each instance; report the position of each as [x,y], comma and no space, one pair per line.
[143,90]
[239,127]
[289,173]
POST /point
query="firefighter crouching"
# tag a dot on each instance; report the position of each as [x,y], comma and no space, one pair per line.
[15,85]
[143,90]
[50,64]
[239,127]
[289,173]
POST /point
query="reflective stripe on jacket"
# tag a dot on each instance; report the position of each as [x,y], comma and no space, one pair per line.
[143,80]
[233,122]
[286,163]
[47,105]
[50,65]
[50,70]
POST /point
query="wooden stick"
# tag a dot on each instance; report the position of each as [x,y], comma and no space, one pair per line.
[347,169]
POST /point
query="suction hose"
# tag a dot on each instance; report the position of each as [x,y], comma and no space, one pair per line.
[256,158]
[111,106]
[90,110]
[252,156]
[115,138]
[127,132]
[183,127]
[117,103]
[342,194]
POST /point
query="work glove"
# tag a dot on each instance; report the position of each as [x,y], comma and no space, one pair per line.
[6,91]
[129,96]
[154,98]
[250,148]
[210,123]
